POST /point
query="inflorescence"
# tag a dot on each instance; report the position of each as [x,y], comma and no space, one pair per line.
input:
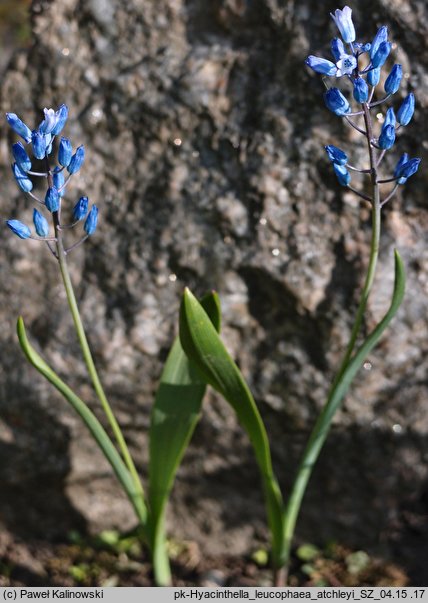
[361,63]
[41,142]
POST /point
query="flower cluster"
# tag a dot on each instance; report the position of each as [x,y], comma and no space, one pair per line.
[361,64]
[40,143]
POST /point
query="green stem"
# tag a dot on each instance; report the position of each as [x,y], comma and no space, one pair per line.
[323,423]
[81,335]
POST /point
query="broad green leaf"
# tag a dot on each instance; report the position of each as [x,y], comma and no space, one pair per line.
[339,389]
[91,422]
[175,413]
[204,347]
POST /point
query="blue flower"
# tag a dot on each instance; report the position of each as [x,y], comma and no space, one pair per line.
[39,144]
[40,224]
[346,65]
[321,65]
[337,49]
[336,102]
[373,76]
[361,90]
[382,54]
[91,221]
[21,157]
[336,155]
[20,229]
[393,80]
[387,136]
[406,110]
[61,118]
[77,160]
[403,159]
[389,118]
[58,181]
[52,199]
[49,122]
[22,179]
[381,36]
[20,128]
[406,169]
[342,174]
[80,209]
[65,152]
[343,20]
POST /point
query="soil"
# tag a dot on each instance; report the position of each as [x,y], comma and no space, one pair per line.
[114,560]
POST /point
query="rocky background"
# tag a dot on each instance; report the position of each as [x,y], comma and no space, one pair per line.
[204,135]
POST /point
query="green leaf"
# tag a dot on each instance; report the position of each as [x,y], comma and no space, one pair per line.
[91,422]
[175,413]
[204,347]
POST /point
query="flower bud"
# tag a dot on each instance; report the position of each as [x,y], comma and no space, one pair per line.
[22,179]
[381,55]
[91,221]
[336,155]
[80,209]
[389,118]
[406,169]
[321,65]
[40,224]
[406,110]
[18,228]
[18,126]
[61,118]
[387,136]
[65,152]
[381,36]
[403,159]
[392,82]
[21,156]
[52,199]
[373,76]
[336,102]
[342,174]
[76,160]
[39,144]
[361,90]
[58,181]
[337,49]
[343,20]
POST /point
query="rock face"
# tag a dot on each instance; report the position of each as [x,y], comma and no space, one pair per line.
[204,135]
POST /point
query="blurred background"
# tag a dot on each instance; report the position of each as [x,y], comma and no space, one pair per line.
[15,27]
[204,135]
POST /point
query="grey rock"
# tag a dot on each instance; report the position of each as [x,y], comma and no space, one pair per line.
[204,135]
